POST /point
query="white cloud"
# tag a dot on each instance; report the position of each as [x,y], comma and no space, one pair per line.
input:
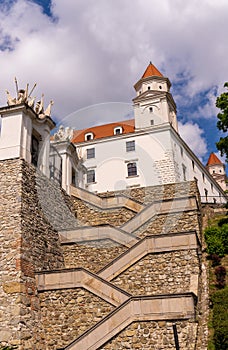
[96,50]
[192,134]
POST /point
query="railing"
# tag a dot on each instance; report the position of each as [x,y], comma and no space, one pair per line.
[213,199]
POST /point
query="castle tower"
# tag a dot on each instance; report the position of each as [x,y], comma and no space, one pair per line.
[153,104]
[217,169]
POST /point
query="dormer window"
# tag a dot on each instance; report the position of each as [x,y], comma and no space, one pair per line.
[89,136]
[118,130]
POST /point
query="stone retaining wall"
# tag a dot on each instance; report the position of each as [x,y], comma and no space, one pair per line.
[154,335]
[89,215]
[57,206]
[171,223]
[147,195]
[160,273]
[68,313]
[91,256]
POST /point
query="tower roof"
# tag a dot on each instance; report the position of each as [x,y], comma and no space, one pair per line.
[213,159]
[150,71]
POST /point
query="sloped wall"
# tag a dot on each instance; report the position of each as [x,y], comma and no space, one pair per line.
[68,313]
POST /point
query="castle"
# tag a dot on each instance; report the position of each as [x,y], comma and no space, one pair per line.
[102,259]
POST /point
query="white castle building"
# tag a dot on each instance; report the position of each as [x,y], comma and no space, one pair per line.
[144,151]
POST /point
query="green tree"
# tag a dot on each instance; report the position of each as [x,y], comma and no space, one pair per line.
[222,124]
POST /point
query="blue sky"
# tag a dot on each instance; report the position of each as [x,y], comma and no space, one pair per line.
[84,53]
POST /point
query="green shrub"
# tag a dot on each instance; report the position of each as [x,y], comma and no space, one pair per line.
[220,319]
[224,236]
[8,347]
[215,241]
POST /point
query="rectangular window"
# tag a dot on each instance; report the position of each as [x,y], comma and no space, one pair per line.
[34,150]
[90,176]
[130,146]
[90,152]
[184,171]
[131,169]
[203,176]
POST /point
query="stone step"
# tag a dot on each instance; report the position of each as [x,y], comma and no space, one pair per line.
[150,244]
[94,233]
[117,201]
[160,207]
[143,308]
[81,278]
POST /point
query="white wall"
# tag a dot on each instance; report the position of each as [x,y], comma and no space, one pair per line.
[153,156]
[158,157]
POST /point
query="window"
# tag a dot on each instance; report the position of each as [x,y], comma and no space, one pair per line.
[193,164]
[184,171]
[131,169]
[206,193]
[118,130]
[148,88]
[160,87]
[181,150]
[152,122]
[74,177]
[90,176]
[130,146]
[89,136]
[151,109]
[34,150]
[203,177]
[90,153]
[212,188]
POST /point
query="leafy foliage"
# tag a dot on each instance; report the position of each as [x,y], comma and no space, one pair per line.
[224,237]
[214,240]
[220,319]
[8,347]
[222,124]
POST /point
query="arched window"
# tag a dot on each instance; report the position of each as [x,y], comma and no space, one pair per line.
[89,136]
[118,130]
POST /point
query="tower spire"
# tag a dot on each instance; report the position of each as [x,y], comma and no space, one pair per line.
[151,71]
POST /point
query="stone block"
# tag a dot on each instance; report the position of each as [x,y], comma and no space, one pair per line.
[14,287]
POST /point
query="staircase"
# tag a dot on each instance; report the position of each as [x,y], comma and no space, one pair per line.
[128,309]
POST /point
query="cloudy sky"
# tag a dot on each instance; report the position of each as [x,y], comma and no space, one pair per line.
[88,54]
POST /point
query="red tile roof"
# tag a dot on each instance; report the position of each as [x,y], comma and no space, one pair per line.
[213,159]
[151,71]
[105,130]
